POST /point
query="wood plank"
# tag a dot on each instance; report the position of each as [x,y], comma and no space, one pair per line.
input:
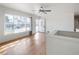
[31,45]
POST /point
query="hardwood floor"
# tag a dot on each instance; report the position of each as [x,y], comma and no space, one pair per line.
[32,45]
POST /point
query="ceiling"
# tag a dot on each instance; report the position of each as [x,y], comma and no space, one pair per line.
[25,7]
[29,7]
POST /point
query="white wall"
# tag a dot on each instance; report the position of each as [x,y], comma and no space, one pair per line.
[33,24]
[13,36]
[61,17]
[1,21]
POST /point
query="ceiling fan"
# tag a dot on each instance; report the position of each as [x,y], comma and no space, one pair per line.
[43,10]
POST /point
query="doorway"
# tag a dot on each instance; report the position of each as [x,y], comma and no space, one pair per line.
[40,25]
[76,23]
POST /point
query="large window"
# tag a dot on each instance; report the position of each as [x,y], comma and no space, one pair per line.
[16,24]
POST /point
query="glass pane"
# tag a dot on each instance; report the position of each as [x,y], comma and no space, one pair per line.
[20,23]
[16,24]
[9,24]
[28,24]
[40,25]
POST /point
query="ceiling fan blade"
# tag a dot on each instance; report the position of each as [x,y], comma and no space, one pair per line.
[45,10]
[48,10]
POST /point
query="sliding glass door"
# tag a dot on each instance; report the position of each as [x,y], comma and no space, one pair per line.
[40,25]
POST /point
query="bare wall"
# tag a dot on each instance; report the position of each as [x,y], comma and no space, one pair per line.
[61,18]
